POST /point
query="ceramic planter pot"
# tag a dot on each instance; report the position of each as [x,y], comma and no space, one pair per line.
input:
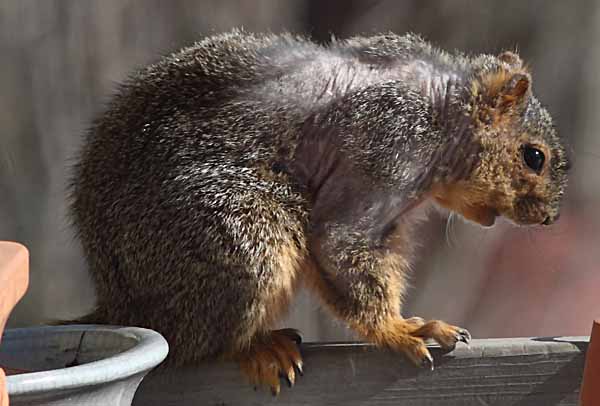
[79,364]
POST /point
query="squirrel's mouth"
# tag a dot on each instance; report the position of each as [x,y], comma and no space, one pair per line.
[465,202]
[487,218]
[482,215]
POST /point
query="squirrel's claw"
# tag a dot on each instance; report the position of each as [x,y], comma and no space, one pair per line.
[290,378]
[300,368]
[427,362]
[463,335]
[272,358]
[417,352]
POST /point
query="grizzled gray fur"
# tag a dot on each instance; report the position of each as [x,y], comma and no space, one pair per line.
[208,162]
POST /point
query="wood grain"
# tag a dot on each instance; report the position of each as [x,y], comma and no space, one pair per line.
[518,372]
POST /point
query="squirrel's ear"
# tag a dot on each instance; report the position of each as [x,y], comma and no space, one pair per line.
[513,60]
[505,89]
[515,91]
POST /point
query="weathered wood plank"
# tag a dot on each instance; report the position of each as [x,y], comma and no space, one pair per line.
[519,372]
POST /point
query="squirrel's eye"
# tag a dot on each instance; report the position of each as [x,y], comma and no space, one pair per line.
[534,158]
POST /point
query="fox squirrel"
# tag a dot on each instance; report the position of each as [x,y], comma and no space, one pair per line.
[227,174]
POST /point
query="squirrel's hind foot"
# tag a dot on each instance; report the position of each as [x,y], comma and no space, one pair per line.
[272,357]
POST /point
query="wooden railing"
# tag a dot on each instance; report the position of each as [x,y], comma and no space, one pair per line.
[512,371]
[515,371]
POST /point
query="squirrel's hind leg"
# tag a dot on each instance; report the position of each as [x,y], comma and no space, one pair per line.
[265,227]
[264,355]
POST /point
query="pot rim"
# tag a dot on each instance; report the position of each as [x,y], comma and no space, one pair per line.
[151,349]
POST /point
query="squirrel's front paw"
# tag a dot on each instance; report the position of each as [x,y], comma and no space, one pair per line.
[396,335]
[271,358]
[444,334]
[408,337]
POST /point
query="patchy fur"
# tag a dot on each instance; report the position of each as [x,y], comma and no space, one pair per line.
[221,176]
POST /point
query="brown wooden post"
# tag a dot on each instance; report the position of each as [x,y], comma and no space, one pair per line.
[590,387]
[14,278]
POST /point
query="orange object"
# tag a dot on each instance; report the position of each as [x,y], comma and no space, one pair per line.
[590,388]
[14,278]
[3,394]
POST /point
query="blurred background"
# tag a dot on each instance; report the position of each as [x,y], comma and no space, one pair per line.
[60,61]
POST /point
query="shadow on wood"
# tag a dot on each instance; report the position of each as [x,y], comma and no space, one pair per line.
[519,372]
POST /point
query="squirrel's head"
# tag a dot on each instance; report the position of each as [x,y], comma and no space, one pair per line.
[522,165]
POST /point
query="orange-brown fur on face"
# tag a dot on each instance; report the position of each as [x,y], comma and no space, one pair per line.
[501,185]
[470,203]
[505,120]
